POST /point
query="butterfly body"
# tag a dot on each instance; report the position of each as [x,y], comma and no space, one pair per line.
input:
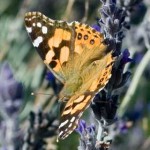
[77,56]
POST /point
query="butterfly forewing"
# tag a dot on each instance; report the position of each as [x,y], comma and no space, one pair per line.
[52,39]
[77,56]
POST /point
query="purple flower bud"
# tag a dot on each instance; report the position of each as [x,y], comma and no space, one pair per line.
[96,27]
[125,57]
[81,127]
[50,76]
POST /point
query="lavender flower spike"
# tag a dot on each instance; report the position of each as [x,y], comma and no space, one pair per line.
[11,92]
[11,97]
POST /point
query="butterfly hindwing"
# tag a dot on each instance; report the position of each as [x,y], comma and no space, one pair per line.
[87,36]
[72,113]
[77,104]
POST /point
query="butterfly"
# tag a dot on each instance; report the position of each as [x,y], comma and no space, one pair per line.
[78,57]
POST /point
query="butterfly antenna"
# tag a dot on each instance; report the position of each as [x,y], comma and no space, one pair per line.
[39,93]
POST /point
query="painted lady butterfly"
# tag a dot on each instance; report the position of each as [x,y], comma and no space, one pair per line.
[77,55]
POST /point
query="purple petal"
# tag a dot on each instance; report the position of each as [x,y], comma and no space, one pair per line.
[125,57]
[50,76]
[81,126]
[96,27]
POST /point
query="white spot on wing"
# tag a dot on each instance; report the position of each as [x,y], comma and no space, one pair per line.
[26,19]
[44,29]
[70,125]
[37,41]
[63,123]
[60,133]
[72,119]
[29,29]
[39,24]
[33,24]
[33,17]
